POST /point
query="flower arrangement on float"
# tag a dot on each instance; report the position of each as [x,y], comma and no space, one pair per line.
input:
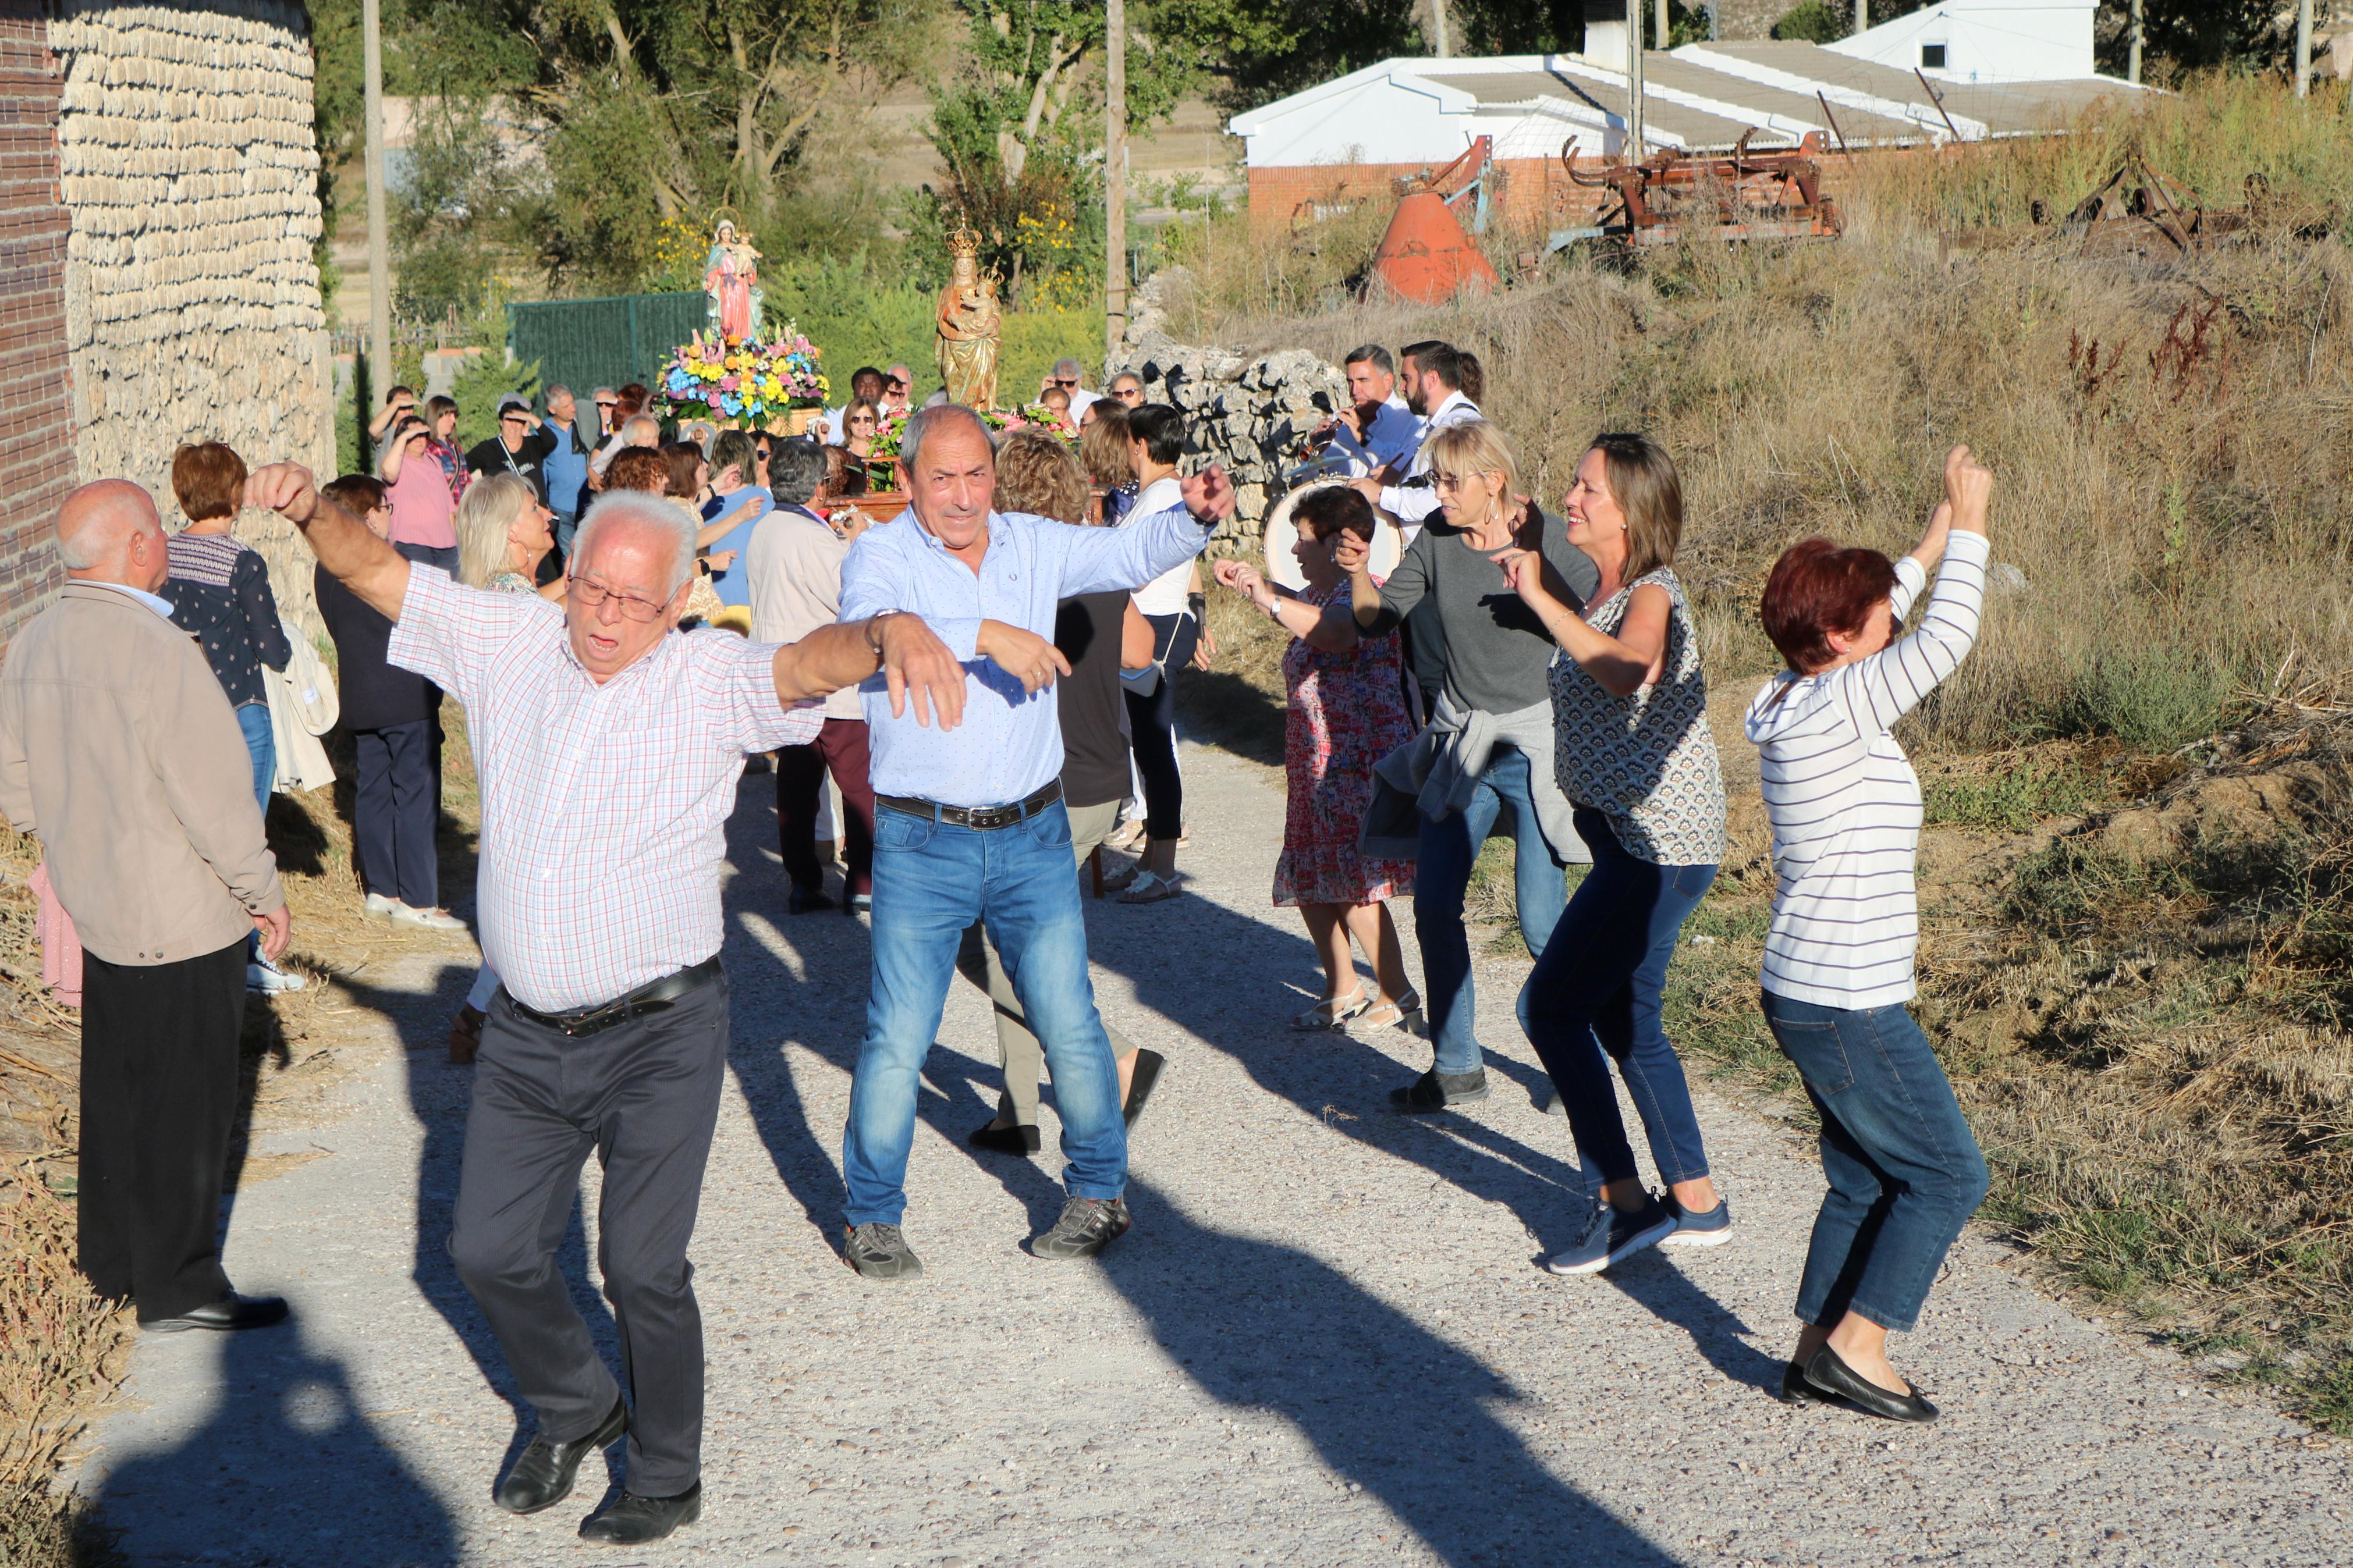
[891,431]
[738,379]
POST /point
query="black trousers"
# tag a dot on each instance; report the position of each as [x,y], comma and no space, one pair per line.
[645,1096]
[1151,727]
[800,777]
[393,805]
[158,1094]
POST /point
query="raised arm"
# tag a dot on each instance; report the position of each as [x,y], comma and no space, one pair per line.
[1882,689]
[1378,608]
[1327,631]
[1099,559]
[346,546]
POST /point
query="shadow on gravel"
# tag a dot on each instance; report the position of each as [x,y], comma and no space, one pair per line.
[438,1095]
[1389,1406]
[288,1470]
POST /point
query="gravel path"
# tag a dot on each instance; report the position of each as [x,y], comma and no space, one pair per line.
[1326,1341]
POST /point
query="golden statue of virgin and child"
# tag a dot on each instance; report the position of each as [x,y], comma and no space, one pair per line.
[970,325]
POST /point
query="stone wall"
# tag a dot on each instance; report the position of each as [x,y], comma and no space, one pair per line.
[187,168]
[1249,414]
[36,465]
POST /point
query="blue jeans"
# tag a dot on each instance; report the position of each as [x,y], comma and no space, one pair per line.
[930,880]
[566,526]
[1439,880]
[253,718]
[1594,999]
[1904,1174]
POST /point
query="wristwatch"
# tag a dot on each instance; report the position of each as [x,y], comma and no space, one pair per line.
[874,633]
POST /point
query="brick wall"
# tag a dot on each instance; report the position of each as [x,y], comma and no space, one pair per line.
[1529,194]
[36,459]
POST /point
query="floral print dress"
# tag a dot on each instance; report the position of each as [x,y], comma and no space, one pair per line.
[1347,712]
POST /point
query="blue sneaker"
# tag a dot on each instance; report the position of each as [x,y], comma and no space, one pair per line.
[1713,1228]
[1612,1238]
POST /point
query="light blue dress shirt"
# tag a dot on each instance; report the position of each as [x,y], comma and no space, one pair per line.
[1010,743]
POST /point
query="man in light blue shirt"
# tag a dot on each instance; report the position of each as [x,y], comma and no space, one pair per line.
[969,822]
[1391,438]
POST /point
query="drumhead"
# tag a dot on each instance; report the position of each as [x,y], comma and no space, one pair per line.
[1282,533]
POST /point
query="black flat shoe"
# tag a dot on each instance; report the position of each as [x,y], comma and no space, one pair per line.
[1435,1090]
[1014,1140]
[1795,1389]
[632,1521]
[806,900]
[1830,1375]
[543,1476]
[1141,1078]
[858,904]
[226,1315]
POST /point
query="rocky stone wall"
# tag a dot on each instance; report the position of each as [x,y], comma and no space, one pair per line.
[189,174]
[1248,413]
[37,466]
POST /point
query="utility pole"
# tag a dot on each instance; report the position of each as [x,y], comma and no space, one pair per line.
[2140,28]
[1663,28]
[1438,29]
[1114,177]
[1636,149]
[2302,48]
[1862,15]
[379,375]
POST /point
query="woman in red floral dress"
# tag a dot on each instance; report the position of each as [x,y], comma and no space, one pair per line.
[1347,712]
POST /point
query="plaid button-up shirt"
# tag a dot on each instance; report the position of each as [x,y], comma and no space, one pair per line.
[603,808]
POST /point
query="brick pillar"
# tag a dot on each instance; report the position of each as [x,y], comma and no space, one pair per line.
[37,450]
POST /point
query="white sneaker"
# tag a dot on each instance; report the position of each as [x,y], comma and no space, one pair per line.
[268,980]
[380,907]
[425,919]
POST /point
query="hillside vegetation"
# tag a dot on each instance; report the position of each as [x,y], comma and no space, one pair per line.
[2137,920]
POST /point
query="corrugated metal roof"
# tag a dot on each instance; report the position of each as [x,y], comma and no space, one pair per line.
[2002,108]
[1524,89]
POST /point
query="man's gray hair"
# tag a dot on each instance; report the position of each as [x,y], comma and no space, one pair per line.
[1372,354]
[655,514]
[931,417]
[795,468]
[603,391]
[558,390]
[1068,367]
[641,430]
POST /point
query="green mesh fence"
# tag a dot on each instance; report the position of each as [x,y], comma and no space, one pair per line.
[587,343]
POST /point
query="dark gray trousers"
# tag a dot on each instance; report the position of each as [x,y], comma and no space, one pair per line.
[645,1095]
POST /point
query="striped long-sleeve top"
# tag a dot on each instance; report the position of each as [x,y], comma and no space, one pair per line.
[1845,804]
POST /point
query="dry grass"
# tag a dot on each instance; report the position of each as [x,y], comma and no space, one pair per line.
[2177,511]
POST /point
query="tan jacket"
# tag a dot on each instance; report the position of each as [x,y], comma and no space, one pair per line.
[119,750]
[793,565]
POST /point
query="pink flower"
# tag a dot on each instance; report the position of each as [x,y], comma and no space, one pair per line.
[712,397]
[730,383]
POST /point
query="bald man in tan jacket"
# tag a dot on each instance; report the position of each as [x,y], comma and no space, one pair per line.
[118,752]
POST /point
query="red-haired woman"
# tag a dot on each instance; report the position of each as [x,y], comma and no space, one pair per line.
[1904,1173]
[220,594]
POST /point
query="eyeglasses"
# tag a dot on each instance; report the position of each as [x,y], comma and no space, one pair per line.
[1062,381]
[591,594]
[602,403]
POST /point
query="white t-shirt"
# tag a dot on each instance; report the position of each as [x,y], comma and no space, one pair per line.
[1413,505]
[1164,594]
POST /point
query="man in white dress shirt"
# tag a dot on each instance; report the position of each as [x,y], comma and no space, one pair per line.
[1391,438]
[1433,389]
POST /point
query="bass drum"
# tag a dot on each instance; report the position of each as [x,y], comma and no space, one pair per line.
[1283,533]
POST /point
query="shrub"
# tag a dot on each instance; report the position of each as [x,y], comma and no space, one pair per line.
[1810,22]
[2154,697]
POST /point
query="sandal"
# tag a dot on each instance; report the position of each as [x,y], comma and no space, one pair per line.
[1405,1013]
[1122,876]
[1150,888]
[1332,1012]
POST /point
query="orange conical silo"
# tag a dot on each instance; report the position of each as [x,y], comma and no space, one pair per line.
[1425,256]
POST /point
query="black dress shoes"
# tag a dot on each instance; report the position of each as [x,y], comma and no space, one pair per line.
[632,1521]
[1141,1079]
[807,900]
[543,1476]
[1832,1376]
[1014,1140]
[232,1311]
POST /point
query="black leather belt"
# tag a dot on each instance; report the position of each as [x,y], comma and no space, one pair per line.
[652,997]
[985,818]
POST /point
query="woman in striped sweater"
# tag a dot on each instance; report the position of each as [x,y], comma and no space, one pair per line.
[1904,1173]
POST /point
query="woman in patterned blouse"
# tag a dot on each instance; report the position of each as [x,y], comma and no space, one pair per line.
[220,592]
[1633,753]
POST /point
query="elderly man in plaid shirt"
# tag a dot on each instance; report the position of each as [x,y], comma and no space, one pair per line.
[608,749]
